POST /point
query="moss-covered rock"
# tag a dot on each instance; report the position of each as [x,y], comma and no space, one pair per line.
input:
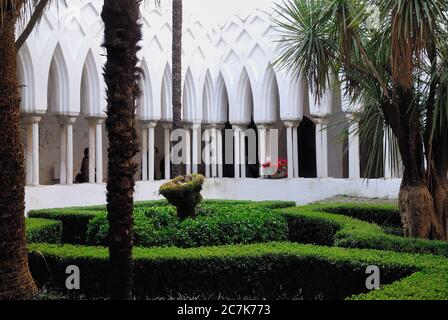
[184,192]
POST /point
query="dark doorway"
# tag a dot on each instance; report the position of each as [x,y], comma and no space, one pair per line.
[307,149]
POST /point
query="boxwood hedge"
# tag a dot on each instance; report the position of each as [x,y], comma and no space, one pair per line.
[274,270]
[418,269]
[314,224]
[43,230]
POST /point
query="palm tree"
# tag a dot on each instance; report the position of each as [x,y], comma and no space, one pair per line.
[16,281]
[177,73]
[122,32]
[398,71]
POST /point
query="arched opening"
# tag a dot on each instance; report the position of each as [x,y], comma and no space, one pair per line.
[162,134]
[58,103]
[307,149]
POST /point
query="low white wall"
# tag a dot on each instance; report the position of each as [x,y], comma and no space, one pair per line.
[301,191]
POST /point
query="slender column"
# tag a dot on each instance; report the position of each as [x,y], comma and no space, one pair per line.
[29,154]
[32,149]
[262,145]
[388,173]
[196,146]
[63,154]
[207,157]
[243,153]
[70,122]
[290,148]
[145,153]
[92,149]
[214,153]
[321,148]
[151,151]
[295,139]
[167,150]
[99,150]
[353,149]
[187,150]
[237,153]
[219,153]
[35,135]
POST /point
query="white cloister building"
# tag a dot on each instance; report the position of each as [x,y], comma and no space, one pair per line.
[229,82]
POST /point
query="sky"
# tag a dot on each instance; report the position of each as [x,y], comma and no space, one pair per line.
[219,11]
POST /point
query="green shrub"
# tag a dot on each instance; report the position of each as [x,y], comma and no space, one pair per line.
[381,214]
[274,270]
[215,225]
[43,230]
[74,222]
[316,225]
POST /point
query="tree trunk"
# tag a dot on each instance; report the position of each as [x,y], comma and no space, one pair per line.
[15,278]
[177,74]
[122,34]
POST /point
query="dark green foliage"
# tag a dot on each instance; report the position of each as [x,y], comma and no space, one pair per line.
[383,215]
[43,230]
[74,222]
[262,270]
[353,233]
[216,224]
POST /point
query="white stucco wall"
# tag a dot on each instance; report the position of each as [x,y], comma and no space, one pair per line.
[302,191]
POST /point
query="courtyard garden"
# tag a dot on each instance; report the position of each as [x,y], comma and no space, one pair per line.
[243,250]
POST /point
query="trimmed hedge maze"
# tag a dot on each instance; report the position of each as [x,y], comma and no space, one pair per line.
[243,249]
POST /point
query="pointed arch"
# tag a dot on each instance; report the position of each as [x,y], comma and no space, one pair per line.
[90,87]
[244,105]
[207,99]
[145,105]
[222,99]
[270,101]
[58,83]
[189,97]
[25,75]
[167,96]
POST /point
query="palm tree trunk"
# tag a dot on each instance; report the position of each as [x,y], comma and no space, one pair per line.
[177,74]
[122,33]
[15,278]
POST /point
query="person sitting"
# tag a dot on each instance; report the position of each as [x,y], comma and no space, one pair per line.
[83,176]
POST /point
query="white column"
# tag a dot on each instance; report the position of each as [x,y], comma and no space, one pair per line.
[145,136]
[63,154]
[151,151]
[262,146]
[187,150]
[207,155]
[167,149]
[92,149]
[321,148]
[219,154]
[353,149]
[99,150]
[29,154]
[70,122]
[243,153]
[214,152]
[32,150]
[295,141]
[290,148]
[196,146]
[237,153]
[388,172]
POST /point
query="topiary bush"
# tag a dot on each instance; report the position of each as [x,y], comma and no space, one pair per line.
[43,230]
[184,192]
[215,225]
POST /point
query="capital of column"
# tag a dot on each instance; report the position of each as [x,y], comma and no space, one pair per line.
[95,120]
[148,124]
[321,120]
[292,124]
[31,119]
[167,125]
[238,128]
[66,120]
